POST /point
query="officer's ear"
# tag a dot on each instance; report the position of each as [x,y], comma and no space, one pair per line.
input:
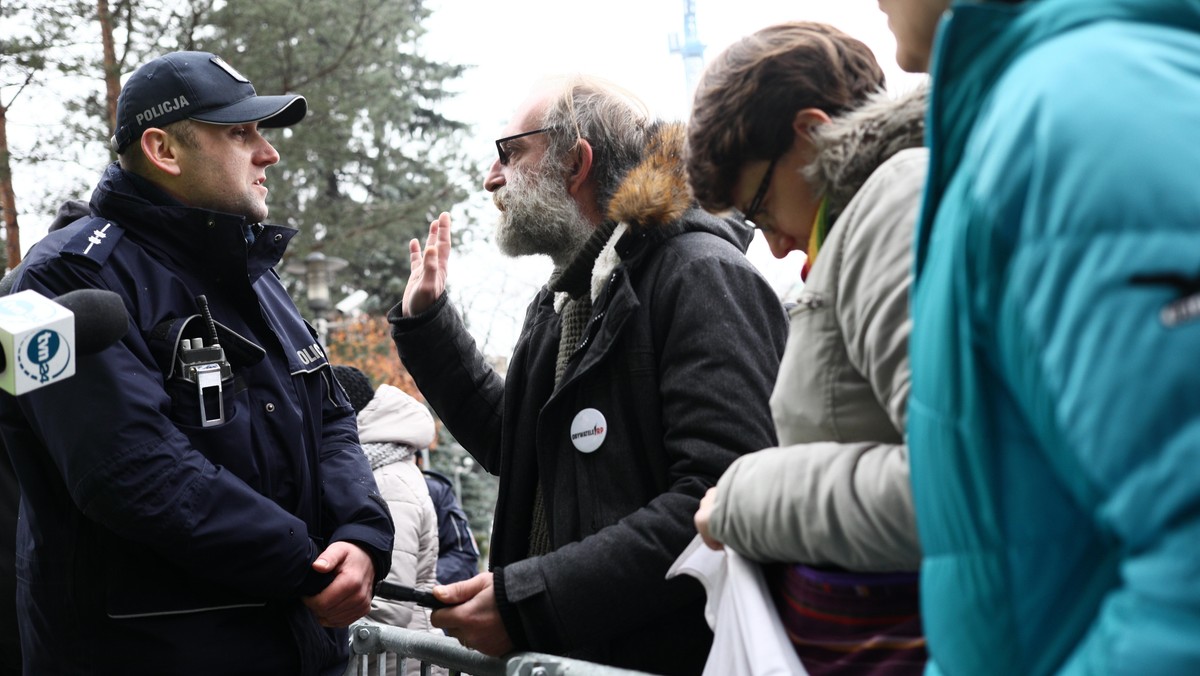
[161,151]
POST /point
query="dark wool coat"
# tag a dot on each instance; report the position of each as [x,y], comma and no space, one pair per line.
[148,543]
[679,359]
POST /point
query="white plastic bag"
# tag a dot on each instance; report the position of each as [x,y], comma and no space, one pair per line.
[748,636]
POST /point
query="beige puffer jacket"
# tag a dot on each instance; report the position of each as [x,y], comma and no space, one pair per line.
[836,492]
[393,417]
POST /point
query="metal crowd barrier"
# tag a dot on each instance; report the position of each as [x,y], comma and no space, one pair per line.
[389,644]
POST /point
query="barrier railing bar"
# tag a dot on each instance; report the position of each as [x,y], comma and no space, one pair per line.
[368,638]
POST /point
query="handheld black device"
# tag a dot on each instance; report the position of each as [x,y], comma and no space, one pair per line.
[396,592]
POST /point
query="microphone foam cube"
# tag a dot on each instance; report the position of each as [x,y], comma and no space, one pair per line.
[37,336]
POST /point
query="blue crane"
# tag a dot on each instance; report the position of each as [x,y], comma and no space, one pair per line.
[690,48]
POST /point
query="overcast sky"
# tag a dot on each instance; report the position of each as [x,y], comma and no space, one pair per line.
[512,45]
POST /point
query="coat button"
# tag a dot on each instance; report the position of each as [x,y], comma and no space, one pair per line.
[270,407]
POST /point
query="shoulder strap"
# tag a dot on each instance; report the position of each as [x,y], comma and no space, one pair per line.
[94,240]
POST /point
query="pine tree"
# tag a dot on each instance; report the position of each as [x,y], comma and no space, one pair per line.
[374,161]
[31,35]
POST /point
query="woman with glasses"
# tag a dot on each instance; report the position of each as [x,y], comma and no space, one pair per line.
[791,128]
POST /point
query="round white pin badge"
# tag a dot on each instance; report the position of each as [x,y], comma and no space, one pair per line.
[588,430]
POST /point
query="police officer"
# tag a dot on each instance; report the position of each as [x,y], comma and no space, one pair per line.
[199,483]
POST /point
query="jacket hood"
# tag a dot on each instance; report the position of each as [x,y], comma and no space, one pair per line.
[652,203]
[655,198]
[852,146]
[394,417]
[69,212]
[655,192]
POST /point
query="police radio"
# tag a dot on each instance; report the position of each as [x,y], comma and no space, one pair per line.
[206,366]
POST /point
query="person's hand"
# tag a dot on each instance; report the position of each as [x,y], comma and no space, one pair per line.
[474,619]
[427,279]
[348,596]
[704,515]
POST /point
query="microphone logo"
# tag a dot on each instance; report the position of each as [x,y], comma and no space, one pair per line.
[26,309]
[44,355]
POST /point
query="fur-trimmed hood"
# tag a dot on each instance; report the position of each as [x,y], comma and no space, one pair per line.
[656,191]
[655,200]
[853,145]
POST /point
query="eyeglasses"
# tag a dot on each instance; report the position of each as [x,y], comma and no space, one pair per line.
[760,195]
[504,156]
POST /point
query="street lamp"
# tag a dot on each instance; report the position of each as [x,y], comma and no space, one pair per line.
[318,270]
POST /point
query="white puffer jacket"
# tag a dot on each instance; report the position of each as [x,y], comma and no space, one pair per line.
[394,418]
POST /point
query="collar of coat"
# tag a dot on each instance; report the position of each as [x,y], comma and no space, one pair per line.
[655,192]
[651,197]
[853,145]
[209,243]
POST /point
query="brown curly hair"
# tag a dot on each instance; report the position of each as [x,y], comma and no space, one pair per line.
[749,95]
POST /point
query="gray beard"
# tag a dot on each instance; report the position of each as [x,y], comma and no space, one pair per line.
[538,216]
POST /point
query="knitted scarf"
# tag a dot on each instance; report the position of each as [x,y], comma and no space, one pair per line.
[571,283]
[387,453]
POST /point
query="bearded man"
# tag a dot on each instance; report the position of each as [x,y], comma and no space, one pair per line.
[643,369]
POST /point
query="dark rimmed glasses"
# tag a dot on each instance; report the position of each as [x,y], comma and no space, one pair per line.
[504,156]
[759,196]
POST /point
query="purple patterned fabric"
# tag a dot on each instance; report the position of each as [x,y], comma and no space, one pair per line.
[850,623]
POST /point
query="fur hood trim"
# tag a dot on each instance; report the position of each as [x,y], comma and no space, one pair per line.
[655,192]
[852,146]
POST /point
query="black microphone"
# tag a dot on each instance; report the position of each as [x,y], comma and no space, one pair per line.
[40,337]
[100,318]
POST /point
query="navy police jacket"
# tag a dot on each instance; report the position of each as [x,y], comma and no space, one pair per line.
[458,556]
[151,542]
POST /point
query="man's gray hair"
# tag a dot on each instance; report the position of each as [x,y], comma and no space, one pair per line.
[612,120]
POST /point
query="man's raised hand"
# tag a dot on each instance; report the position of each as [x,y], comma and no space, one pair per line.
[427,281]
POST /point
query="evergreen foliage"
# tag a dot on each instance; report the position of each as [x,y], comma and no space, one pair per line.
[371,166]
[375,161]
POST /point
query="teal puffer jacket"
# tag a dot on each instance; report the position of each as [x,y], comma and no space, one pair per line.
[1054,419]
